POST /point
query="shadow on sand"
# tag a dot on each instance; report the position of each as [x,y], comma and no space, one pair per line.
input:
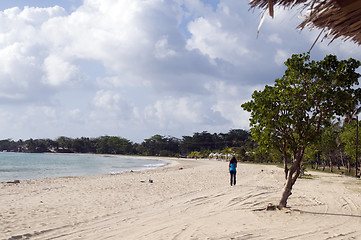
[327,214]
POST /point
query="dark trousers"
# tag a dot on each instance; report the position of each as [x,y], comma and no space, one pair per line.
[233,177]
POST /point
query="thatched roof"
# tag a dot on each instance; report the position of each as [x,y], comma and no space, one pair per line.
[339,18]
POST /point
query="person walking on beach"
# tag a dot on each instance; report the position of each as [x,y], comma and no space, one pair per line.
[233,170]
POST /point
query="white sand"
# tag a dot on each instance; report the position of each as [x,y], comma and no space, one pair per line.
[196,202]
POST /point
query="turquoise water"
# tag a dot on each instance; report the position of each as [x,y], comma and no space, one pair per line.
[21,166]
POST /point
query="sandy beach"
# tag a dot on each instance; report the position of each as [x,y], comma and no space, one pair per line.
[188,199]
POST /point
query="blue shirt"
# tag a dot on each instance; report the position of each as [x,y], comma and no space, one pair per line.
[232,167]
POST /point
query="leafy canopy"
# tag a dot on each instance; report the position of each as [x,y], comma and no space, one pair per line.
[306,99]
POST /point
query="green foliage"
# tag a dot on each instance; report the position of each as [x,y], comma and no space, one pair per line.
[235,140]
[159,145]
[113,145]
[9,145]
[312,155]
[259,155]
[195,154]
[205,141]
[37,145]
[348,137]
[291,113]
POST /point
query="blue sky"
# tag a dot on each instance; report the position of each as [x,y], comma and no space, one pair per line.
[69,5]
[135,68]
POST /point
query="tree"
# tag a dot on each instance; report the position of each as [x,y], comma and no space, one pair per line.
[348,137]
[102,146]
[37,145]
[291,113]
[329,146]
[203,141]
[160,145]
[64,144]
[313,154]
[5,144]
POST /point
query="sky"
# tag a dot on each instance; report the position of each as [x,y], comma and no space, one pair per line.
[136,68]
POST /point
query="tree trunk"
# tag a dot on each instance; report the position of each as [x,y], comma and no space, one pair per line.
[284,153]
[342,160]
[317,161]
[293,174]
[285,165]
[286,170]
[357,164]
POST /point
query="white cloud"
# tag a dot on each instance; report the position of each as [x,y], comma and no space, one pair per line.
[58,71]
[162,50]
[275,38]
[173,112]
[281,56]
[36,16]
[76,115]
[110,103]
[210,39]
[227,101]
[108,100]
[135,68]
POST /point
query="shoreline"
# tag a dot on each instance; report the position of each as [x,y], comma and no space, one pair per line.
[25,175]
[188,199]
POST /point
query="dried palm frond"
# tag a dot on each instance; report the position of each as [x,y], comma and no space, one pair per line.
[342,18]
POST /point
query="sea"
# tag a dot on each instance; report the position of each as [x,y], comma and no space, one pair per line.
[24,166]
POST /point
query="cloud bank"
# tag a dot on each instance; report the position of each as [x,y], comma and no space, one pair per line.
[135,68]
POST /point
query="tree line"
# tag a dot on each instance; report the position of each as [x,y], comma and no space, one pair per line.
[199,145]
[335,149]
